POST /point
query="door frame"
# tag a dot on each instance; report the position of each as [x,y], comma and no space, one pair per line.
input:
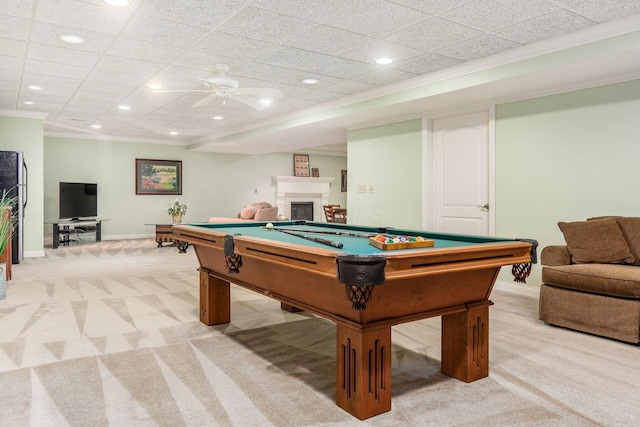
[428,169]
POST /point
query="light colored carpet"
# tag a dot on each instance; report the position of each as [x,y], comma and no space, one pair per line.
[108,334]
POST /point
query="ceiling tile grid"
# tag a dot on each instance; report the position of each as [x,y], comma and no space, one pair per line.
[266,43]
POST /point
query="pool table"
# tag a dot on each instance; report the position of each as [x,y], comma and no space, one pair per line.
[363,289]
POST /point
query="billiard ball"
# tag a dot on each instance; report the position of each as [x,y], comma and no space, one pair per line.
[269,226]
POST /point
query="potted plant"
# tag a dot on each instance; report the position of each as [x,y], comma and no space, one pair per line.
[176,210]
[7,203]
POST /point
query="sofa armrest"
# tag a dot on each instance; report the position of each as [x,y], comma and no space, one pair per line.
[266,214]
[555,255]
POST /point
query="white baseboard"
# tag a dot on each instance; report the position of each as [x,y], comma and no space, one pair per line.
[34,254]
[520,289]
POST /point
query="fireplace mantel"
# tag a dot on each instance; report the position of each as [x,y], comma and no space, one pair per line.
[302,189]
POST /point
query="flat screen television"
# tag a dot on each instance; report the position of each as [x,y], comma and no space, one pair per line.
[78,200]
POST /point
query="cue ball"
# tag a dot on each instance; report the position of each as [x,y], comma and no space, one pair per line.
[269,226]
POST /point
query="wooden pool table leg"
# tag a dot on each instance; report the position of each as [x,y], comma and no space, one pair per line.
[215,299]
[465,344]
[363,380]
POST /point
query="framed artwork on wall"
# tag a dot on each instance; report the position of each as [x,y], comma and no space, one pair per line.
[315,172]
[301,165]
[158,177]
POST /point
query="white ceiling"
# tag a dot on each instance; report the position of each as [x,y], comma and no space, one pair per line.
[267,43]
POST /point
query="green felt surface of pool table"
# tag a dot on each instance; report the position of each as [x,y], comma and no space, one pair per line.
[352,245]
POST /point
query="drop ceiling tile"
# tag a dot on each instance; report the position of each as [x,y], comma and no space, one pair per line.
[82,15]
[201,13]
[61,55]
[433,34]
[205,61]
[489,15]
[54,69]
[311,10]
[120,78]
[255,70]
[145,51]
[381,49]
[292,91]
[188,78]
[52,84]
[44,33]
[231,45]
[377,18]
[384,76]
[426,63]
[162,32]
[14,28]
[325,39]
[84,94]
[12,47]
[9,76]
[478,47]
[432,6]
[605,10]
[131,66]
[113,89]
[321,96]
[342,68]
[290,57]
[264,25]
[552,24]
[43,98]
[20,8]
[349,87]
[11,63]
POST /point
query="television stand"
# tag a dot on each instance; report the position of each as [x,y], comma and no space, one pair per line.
[64,229]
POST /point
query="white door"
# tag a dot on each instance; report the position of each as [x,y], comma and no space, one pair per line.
[460,166]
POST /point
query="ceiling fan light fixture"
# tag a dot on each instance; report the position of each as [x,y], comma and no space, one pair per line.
[384,61]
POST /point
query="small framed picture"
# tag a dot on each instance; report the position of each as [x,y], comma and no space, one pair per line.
[158,177]
[315,172]
[301,165]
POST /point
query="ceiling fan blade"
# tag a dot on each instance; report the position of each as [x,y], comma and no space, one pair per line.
[205,100]
[211,84]
[251,102]
[265,92]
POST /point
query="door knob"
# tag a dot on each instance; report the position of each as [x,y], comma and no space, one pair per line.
[485,206]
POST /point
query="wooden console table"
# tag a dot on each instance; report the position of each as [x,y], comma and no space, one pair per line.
[164,234]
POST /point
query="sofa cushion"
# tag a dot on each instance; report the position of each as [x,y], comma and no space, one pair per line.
[599,241]
[604,279]
[630,227]
[247,212]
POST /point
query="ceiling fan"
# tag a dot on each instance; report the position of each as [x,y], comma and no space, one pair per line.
[223,86]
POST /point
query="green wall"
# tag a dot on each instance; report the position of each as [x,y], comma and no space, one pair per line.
[389,158]
[26,134]
[566,157]
[213,184]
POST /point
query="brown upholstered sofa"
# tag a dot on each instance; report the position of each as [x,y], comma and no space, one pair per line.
[262,211]
[592,284]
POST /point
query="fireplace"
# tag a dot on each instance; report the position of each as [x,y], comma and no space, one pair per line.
[302,210]
[297,189]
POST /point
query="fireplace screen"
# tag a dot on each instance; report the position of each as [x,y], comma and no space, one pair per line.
[302,211]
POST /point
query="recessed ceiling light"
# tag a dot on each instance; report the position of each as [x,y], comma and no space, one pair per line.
[124,107]
[265,101]
[35,87]
[96,126]
[70,38]
[154,86]
[384,61]
[173,132]
[218,117]
[28,102]
[310,81]
[117,3]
